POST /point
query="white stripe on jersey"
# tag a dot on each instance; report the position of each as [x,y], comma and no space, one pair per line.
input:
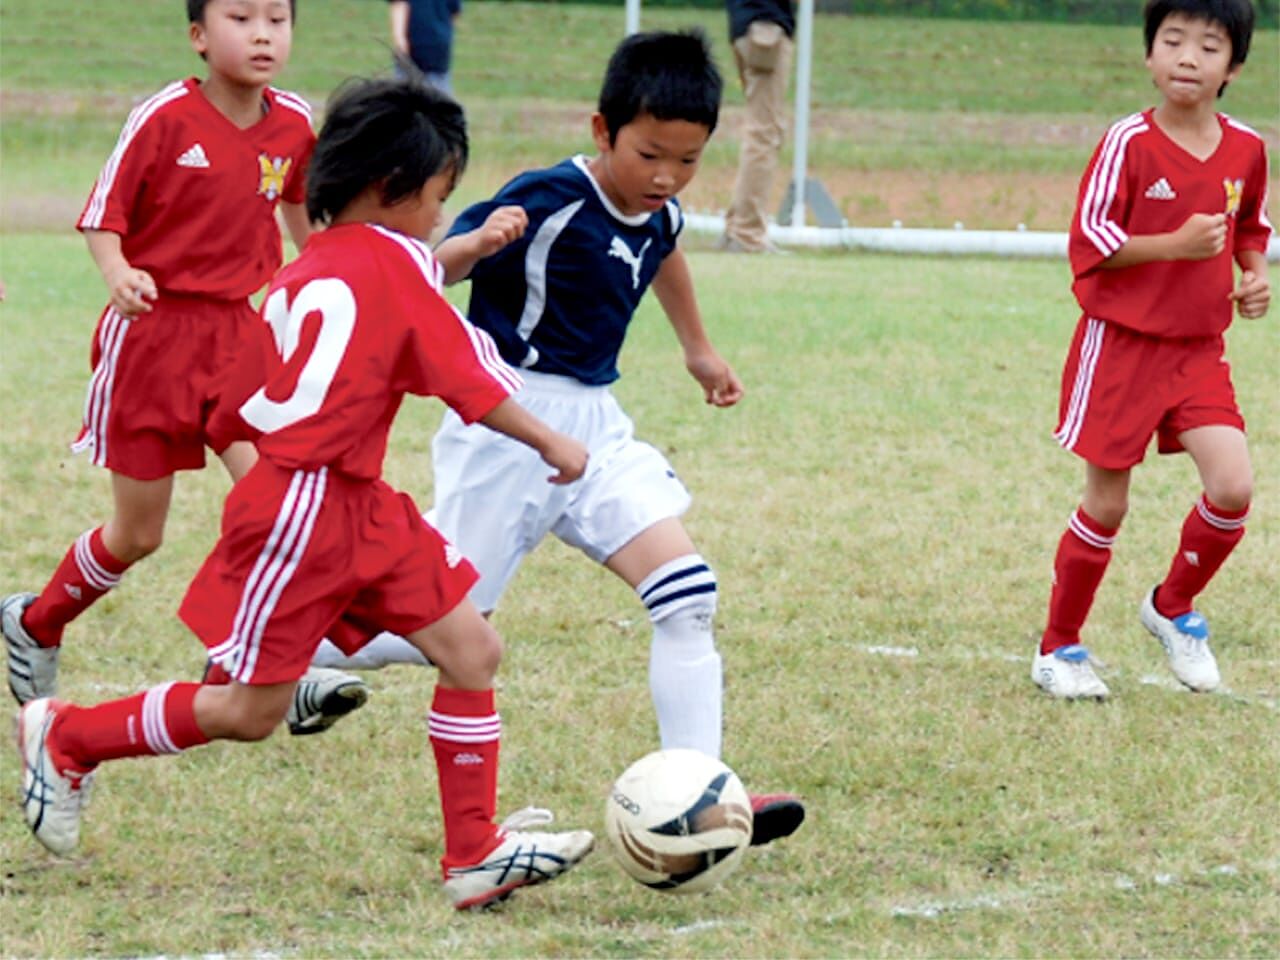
[675,216]
[1090,350]
[94,573]
[271,573]
[445,726]
[154,730]
[420,254]
[287,98]
[535,270]
[1076,526]
[1104,233]
[97,206]
[486,350]
[97,402]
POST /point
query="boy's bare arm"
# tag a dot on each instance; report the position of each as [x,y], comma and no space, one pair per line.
[562,452]
[399,13]
[1201,236]
[1252,294]
[129,287]
[673,286]
[296,222]
[459,255]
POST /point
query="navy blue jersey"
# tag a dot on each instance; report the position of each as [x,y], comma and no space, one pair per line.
[560,298]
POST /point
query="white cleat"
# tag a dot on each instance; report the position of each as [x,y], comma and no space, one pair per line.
[522,859]
[33,669]
[1186,643]
[1067,673]
[51,799]
[323,697]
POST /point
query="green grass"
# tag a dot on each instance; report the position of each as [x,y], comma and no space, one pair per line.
[888,482]
[881,512]
[934,97]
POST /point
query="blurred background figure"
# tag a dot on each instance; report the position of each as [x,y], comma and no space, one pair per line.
[422,30]
[761,33]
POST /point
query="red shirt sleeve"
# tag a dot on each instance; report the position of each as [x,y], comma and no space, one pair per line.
[443,354]
[1103,203]
[112,202]
[1253,229]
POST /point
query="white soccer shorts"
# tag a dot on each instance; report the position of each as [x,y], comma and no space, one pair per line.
[493,501]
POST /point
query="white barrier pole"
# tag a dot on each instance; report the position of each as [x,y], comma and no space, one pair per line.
[804,70]
[633,17]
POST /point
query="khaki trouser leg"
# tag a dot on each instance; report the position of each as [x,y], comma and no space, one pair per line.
[762,136]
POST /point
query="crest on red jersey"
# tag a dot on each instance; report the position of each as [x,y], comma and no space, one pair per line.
[273,170]
[1234,188]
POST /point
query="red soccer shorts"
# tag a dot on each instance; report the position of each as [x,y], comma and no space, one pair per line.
[157,379]
[1120,387]
[301,548]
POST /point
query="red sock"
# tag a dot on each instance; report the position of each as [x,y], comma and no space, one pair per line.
[465,729]
[85,573]
[159,720]
[1209,534]
[1083,554]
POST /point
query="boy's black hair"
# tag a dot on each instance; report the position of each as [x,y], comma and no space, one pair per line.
[195,10]
[669,76]
[395,133]
[1235,16]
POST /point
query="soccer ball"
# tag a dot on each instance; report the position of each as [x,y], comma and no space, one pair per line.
[678,820]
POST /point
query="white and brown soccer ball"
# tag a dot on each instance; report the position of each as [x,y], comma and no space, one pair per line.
[679,821]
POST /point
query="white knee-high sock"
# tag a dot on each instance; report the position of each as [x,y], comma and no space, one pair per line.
[685,676]
[382,651]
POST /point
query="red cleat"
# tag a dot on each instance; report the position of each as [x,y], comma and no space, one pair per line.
[774,816]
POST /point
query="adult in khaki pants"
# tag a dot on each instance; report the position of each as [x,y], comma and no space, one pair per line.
[761,32]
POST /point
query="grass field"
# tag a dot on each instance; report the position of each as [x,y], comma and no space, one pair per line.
[881,512]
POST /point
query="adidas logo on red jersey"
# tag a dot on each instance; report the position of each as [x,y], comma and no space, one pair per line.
[194,157]
[1160,190]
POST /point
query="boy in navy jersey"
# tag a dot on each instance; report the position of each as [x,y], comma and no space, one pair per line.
[558,262]
[312,533]
[1171,197]
[182,225]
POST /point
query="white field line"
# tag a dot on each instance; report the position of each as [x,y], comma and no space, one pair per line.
[934,908]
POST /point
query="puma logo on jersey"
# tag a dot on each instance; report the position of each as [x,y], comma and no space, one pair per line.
[194,157]
[618,248]
[1160,190]
[273,172]
[1233,188]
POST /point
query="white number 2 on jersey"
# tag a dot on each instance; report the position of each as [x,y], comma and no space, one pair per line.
[333,301]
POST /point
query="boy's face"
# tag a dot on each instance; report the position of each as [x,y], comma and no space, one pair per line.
[1190,60]
[649,162]
[245,41]
[420,214]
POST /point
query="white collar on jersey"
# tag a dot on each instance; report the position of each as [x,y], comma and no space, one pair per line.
[635,220]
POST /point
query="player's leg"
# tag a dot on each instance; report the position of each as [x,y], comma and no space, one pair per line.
[679,591]
[33,624]
[1210,532]
[483,861]
[1062,665]
[61,744]
[686,680]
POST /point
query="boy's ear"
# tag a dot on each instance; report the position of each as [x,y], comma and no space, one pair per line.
[198,42]
[600,133]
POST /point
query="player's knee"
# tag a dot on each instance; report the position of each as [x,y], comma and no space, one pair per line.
[140,543]
[1233,494]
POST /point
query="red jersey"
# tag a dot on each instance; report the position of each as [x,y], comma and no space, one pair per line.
[1140,182]
[352,325]
[193,196]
